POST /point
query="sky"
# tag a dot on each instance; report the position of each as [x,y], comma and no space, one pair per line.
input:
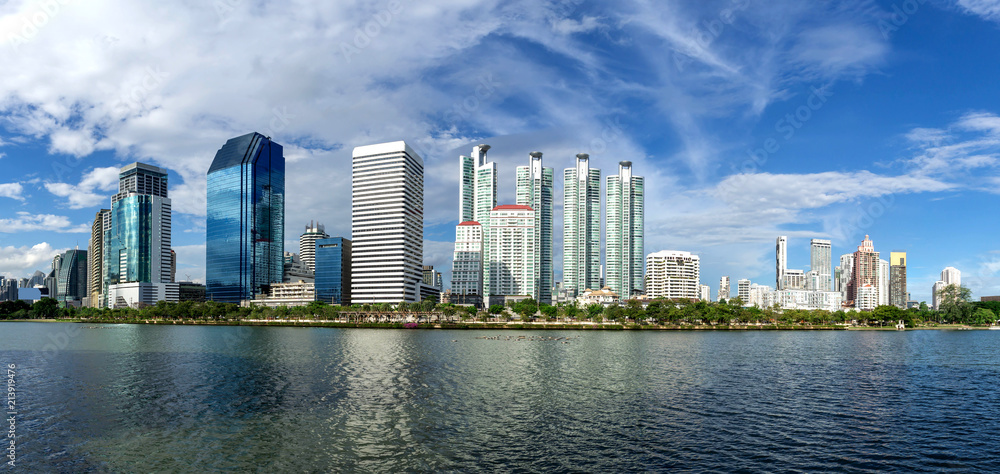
[748,119]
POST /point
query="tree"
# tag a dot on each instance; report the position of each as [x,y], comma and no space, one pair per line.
[550,312]
[955,304]
[633,310]
[526,308]
[496,309]
[46,308]
[983,316]
[888,314]
[594,310]
[571,310]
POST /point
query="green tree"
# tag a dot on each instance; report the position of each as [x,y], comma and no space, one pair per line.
[550,312]
[45,308]
[594,310]
[888,314]
[983,316]
[496,309]
[526,308]
[633,310]
[571,310]
[955,304]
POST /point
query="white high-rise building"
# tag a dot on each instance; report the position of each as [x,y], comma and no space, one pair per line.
[672,274]
[867,298]
[514,256]
[743,291]
[949,276]
[534,189]
[307,244]
[581,227]
[781,261]
[477,198]
[820,263]
[883,282]
[724,289]
[705,292]
[625,232]
[846,275]
[467,266]
[387,224]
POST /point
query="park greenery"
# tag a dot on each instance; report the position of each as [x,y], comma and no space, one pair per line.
[955,308]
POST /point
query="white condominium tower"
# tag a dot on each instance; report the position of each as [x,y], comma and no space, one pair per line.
[534,189]
[477,198]
[387,224]
[625,230]
[820,263]
[307,244]
[581,227]
[724,289]
[672,274]
[781,261]
[467,264]
[514,259]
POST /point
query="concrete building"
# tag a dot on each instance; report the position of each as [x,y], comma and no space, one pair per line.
[843,273]
[513,253]
[625,238]
[867,297]
[705,292]
[387,224]
[294,269]
[897,279]
[467,265]
[865,271]
[604,297]
[477,198]
[298,293]
[673,274]
[307,244]
[333,270]
[743,291]
[534,190]
[949,276]
[245,226]
[95,264]
[431,277]
[581,226]
[781,261]
[725,291]
[883,282]
[820,263]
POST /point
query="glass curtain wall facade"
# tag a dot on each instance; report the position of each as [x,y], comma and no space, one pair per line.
[581,227]
[71,280]
[245,228]
[534,189]
[625,232]
[333,271]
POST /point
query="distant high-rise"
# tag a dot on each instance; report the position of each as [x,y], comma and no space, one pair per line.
[467,264]
[387,224]
[743,291]
[534,189]
[625,232]
[865,271]
[71,280]
[949,276]
[137,254]
[820,263]
[883,282]
[514,253]
[333,270]
[897,279]
[477,198]
[581,227]
[673,275]
[307,244]
[781,261]
[724,289]
[95,255]
[245,230]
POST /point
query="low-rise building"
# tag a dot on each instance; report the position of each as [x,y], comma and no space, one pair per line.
[604,297]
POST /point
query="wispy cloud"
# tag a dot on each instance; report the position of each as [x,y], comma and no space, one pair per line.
[988,9]
[12,190]
[86,193]
[26,222]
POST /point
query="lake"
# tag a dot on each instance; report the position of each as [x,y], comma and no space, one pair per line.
[137,398]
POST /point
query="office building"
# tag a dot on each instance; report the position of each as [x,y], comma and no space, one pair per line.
[581,226]
[865,271]
[71,281]
[333,270]
[190,291]
[534,190]
[897,279]
[673,275]
[514,253]
[294,269]
[387,224]
[95,264]
[137,254]
[467,265]
[724,289]
[307,244]
[245,228]
[625,232]
[820,263]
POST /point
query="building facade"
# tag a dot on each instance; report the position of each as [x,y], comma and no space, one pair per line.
[95,255]
[534,190]
[865,270]
[333,270]
[781,261]
[897,279]
[307,244]
[387,224]
[245,227]
[820,263]
[71,280]
[467,265]
[514,253]
[625,244]
[725,289]
[673,275]
[581,227]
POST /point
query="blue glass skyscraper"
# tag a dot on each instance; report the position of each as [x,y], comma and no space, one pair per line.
[333,270]
[245,229]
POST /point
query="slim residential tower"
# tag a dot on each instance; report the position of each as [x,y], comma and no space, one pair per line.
[581,227]
[625,232]
[534,189]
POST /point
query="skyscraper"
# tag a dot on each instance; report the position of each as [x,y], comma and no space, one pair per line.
[581,227]
[333,270]
[95,255]
[781,261]
[865,271]
[467,266]
[534,189]
[387,224]
[137,258]
[883,282]
[897,279]
[820,263]
[673,275]
[625,252]
[724,289]
[307,244]
[477,198]
[245,230]
[514,256]
[71,280]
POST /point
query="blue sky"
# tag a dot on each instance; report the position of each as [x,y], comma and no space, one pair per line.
[749,119]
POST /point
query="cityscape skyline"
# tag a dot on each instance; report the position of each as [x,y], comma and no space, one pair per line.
[731,171]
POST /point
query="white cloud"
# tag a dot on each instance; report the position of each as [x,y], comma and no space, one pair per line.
[12,190]
[86,194]
[26,222]
[18,262]
[988,9]
[568,26]
[190,263]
